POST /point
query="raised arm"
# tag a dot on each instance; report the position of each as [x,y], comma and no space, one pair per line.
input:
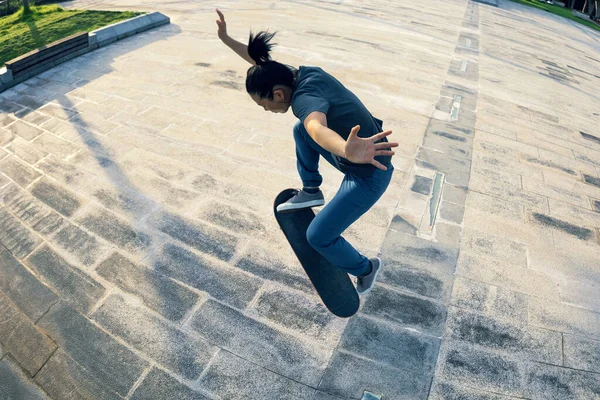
[240,48]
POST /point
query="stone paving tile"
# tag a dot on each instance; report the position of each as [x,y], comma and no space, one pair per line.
[19,240]
[22,204]
[18,171]
[534,344]
[49,224]
[6,119]
[61,128]
[508,179]
[197,235]
[502,146]
[26,151]
[581,353]
[490,300]
[235,378]
[507,275]
[409,311]
[549,143]
[282,353]
[74,287]
[223,283]
[563,318]
[158,292]
[451,212]
[490,187]
[324,396]
[28,209]
[570,258]
[36,118]
[115,230]
[79,244]
[482,370]
[59,198]
[406,222]
[388,344]
[449,391]
[232,218]
[111,363]
[501,163]
[24,130]
[64,172]
[562,226]
[161,386]
[572,185]
[181,353]
[573,214]
[260,261]
[418,252]
[120,197]
[22,339]
[4,181]
[544,381]
[57,111]
[427,283]
[350,376]
[456,169]
[448,234]
[55,145]
[298,312]
[14,384]
[579,294]
[500,248]
[567,161]
[23,288]
[62,378]
[175,196]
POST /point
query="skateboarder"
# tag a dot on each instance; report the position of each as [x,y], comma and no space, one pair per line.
[333,123]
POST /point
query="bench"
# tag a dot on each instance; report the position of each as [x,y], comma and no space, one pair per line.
[46,55]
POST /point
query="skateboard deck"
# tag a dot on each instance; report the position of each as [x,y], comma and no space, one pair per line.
[332,284]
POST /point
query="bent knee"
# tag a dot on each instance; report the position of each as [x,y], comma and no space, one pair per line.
[316,239]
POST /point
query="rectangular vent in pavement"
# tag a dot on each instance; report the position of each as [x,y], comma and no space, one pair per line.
[370,396]
[455,107]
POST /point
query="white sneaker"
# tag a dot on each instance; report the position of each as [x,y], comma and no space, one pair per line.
[364,284]
[302,200]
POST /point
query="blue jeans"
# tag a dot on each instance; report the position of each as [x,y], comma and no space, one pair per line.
[354,198]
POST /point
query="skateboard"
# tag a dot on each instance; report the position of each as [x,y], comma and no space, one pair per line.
[331,283]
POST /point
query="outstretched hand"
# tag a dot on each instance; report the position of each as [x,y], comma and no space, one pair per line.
[222,25]
[364,150]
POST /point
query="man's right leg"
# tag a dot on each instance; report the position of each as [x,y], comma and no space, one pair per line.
[307,155]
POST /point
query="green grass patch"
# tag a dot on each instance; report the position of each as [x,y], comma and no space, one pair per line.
[562,11]
[21,33]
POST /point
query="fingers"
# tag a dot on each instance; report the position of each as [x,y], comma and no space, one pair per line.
[384,153]
[221,16]
[379,165]
[354,132]
[385,145]
[381,135]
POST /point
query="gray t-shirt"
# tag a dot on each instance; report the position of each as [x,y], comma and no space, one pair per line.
[316,90]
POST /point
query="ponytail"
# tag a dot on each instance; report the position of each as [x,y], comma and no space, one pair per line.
[266,74]
[259,47]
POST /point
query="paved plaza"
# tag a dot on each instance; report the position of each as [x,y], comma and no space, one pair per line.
[140,258]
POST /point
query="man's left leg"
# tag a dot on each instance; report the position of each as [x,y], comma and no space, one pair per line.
[354,198]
